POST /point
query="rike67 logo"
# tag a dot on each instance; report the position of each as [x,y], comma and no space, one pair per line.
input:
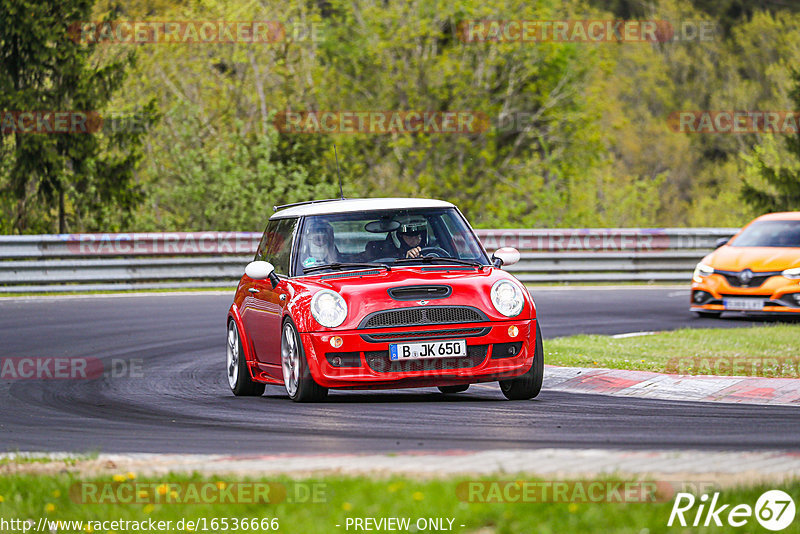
[774,510]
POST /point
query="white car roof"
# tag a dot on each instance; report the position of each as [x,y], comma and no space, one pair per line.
[359,204]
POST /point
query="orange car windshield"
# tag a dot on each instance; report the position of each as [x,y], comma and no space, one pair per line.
[769,234]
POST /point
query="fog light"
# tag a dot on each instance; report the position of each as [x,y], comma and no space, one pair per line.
[513,331]
[336,361]
[700,296]
[797,298]
[336,342]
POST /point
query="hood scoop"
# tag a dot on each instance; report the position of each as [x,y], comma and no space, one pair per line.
[426,292]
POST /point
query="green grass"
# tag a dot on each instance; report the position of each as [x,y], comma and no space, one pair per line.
[770,350]
[23,458]
[29,496]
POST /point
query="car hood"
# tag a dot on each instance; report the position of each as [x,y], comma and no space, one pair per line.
[757,259]
[368,293]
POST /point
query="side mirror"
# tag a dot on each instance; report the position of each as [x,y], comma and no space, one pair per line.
[722,241]
[261,270]
[505,256]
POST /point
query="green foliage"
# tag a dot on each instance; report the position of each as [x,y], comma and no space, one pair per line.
[51,181]
[779,189]
[578,132]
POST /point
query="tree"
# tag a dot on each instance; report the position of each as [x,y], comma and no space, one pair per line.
[781,191]
[56,180]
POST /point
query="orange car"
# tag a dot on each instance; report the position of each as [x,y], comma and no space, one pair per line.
[757,270]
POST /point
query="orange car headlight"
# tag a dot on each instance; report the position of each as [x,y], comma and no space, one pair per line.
[701,271]
[794,274]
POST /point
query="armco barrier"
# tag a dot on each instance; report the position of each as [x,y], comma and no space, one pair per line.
[171,260]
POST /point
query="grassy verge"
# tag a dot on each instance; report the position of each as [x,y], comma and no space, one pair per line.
[770,350]
[319,505]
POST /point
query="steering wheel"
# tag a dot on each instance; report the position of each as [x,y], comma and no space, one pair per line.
[436,252]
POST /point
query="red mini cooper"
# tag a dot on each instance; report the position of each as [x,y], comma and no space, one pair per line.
[377,294]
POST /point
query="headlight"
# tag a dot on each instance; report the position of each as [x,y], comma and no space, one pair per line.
[328,308]
[701,271]
[507,298]
[792,273]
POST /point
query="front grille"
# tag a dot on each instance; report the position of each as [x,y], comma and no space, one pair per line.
[379,361]
[423,316]
[430,334]
[420,292]
[757,281]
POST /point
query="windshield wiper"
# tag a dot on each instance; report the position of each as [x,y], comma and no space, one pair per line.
[340,266]
[445,259]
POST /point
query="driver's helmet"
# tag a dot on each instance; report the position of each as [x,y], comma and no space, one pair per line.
[319,243]
[320,232]
[413,225]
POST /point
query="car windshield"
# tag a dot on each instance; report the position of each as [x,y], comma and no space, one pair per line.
[383,237]
[769,234]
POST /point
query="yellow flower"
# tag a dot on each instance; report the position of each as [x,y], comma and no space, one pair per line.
[148,508]
[2,499]
[88,528]
[347,506]
[56,494]
[173,494]
[572,507]
[49,507]
[142,494]
[162,489]
[131,475]
[394,486]
[417,496]
[119,478]
[221,485]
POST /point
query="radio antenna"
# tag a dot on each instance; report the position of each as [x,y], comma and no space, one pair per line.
[339,174]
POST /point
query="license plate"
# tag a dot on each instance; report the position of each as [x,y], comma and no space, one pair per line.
[744,304]
[428,349]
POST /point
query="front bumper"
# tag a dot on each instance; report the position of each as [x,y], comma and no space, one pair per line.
[362,360]
[778,293]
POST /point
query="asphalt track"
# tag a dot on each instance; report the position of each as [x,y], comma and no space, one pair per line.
[179,402]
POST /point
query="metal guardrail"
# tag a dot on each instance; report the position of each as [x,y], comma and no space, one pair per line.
[173,260]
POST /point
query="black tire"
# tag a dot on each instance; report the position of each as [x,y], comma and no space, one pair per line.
[239,379]
[708,314]
[453,389]
[305,389]
[529,385]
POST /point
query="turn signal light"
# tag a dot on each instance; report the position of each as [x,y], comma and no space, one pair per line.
[336,342]
[513,331]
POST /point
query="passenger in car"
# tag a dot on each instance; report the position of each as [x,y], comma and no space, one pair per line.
[319,247]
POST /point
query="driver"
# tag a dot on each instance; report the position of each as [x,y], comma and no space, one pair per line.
[320,248]
[412,237]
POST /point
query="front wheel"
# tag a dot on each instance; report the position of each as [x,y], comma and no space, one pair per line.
[528,385]
[239,379]
[300,385]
